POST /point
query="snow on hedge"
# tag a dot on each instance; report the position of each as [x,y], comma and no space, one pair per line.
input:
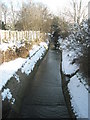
[78,88]
[73,47]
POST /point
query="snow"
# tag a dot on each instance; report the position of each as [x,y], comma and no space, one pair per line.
[45,44]
[9,69]
[7,94]
[67,67]
[77,86]
[35,48]
[79,97]
[35,54]
[18,44]
[6,46]
[30,62]
[72,49]
[16,77]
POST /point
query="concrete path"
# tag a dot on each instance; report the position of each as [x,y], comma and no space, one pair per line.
[44,97]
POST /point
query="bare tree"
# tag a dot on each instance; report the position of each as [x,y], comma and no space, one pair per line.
[35,17]
[13,15]
[77,11]
[4,11]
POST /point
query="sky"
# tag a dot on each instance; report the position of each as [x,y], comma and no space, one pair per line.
[55,6]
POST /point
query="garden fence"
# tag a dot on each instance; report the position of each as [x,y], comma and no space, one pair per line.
[14,36]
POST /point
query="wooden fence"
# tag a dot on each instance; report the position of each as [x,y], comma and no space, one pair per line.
[7,36]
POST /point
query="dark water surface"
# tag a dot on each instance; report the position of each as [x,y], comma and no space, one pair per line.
[44,97]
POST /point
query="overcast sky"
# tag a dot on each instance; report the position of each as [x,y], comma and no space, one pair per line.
[54,5]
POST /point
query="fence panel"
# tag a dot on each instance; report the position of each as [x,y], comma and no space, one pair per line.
[14,36]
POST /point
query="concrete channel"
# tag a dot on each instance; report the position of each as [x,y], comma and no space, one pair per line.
[40,94]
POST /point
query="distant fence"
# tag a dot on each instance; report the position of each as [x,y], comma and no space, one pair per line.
[7,36]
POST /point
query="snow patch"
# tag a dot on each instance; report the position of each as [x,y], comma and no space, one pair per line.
[67,67]
[79,97]
[5,46]
[7,94]
[16,77]
[7,69]
[30,62]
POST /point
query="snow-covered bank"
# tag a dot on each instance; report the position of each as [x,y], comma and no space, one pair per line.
[26,65]
[67,67]
[77,86]
[32,60]
[79,97]
[72,49]
[8,69]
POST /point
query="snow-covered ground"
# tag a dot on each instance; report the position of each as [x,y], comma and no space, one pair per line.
[6,46]
[67,67]
[77,86]
[79,96]
[9,69]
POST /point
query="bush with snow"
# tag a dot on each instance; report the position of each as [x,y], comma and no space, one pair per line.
[75,55]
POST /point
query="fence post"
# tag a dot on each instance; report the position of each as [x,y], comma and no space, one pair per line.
[16,36]
[26,36]
[23,35]
[38,34]
[5,35]
[31,35]
[35,35]
[9,36]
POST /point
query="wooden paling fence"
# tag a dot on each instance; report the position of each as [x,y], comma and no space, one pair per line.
[14,36]
[7,36]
